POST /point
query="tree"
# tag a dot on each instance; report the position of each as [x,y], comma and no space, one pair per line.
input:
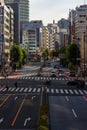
[25,52]
[62,50]
[73,53]
[16,56]
[46,53]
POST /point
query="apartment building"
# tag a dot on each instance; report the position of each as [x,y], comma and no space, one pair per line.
[45,38]
[6,32]
[81,30]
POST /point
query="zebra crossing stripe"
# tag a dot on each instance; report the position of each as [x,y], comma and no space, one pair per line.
[85,91]
[38,90]
[80,92]
[25,90]
[48,90]
[12,89]
[71,91]
[57,91]
[17,89]
[34,90]
[29,89]
[66,91]
[21,89]
[52,90]
[4,89]
[1,89]
[61,90]
[76,92]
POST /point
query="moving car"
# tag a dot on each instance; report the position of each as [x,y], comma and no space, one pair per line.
[77,83]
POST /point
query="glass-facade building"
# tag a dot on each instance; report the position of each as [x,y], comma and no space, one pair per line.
[24,8]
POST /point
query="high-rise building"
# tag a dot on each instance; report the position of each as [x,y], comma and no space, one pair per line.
[81,30]
[24,8]
[21,13]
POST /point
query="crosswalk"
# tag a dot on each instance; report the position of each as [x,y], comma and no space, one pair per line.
[44,78]
[62,91]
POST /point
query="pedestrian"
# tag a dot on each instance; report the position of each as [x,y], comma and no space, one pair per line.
[16,84]
[6,86]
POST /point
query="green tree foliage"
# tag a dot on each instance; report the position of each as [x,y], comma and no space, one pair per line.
[73,53]
[45,53]
[25,52]
[16,53]
[62,50]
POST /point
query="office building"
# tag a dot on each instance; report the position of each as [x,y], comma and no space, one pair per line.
[6,32]
[21,13]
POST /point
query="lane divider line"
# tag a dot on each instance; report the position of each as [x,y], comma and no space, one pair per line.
[16,116]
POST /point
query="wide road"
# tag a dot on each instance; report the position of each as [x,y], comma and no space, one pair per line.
[68,112]
[19,111]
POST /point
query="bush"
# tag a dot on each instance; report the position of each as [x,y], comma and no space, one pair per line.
[41,127]
[43,121]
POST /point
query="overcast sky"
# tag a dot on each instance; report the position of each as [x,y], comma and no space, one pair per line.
[49,10]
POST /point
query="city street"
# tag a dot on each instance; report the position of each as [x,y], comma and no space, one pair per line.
[20,105]
[68,112]
[19,111]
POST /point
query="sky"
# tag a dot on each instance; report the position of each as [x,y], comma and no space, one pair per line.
[49,10]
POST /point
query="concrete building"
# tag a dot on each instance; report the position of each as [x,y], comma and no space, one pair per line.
[72,28]
[35,27]
[63,25]
[6,31]
[81,30]
[21,11]
[45,38]
[29,40]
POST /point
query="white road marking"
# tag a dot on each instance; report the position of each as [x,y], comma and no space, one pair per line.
[85,91]
[80,92]
[74,113]
[1,120]
[61,90]
[17,89]
[52,90]
[47,90]
[66,91]
[34,89]
[26,120]
[57,91]
[76,92]
[38,90]
[71,91]
[25,90]
[67,98]
[21,89]
[29,89]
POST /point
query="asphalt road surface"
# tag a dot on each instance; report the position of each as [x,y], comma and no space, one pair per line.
[68,112]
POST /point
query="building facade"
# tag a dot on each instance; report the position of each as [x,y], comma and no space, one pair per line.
[6,31]
[21,11]
[81,30]
[29,39]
